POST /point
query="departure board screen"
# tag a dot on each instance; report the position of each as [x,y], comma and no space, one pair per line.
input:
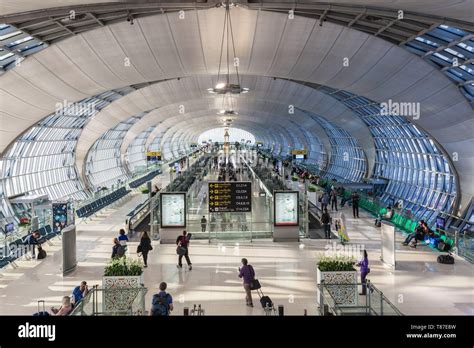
[230,197]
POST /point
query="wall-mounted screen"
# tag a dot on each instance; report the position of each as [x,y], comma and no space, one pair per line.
[60,215]
[173,209]
[440,222]
[9,228]
[285,208]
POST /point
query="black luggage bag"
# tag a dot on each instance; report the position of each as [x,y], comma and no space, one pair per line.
[446,259]
[41,253]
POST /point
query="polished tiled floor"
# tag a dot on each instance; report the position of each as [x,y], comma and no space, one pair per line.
[287,272]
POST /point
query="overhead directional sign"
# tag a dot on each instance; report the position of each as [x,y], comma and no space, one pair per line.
[299,152]
[230,197]
[153,155]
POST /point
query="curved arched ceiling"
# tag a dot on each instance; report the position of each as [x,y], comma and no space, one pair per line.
[460,9]
[163,46]
[268,44]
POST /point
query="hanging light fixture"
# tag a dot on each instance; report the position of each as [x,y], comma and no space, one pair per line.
[224,84]
[227,107]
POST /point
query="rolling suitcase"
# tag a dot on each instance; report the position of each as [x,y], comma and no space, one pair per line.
[41,313]
[266,302]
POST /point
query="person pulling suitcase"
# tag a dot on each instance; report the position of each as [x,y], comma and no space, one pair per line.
[247,273]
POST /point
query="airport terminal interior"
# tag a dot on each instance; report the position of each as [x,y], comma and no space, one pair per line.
[241,157]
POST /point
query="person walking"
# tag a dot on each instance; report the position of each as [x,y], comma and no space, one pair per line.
[118,249]
[333,198]
[247,273]
[326,221]
[324,201]
[364,270]
[183,250]
[355,204]
[161,303]
[203,224]
[144,247]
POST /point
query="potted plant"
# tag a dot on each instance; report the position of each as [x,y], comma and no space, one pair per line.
[123,277]
[340,278]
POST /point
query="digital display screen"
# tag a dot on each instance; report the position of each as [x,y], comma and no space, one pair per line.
[173,209]
[230,197]
[286,208]
[299,157]
[440,222]
[9,228]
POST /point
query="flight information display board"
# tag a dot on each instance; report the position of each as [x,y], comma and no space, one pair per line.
[286,208]
[230,197]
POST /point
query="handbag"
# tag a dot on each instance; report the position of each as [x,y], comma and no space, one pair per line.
[181,250]
[255,285]
[139,248]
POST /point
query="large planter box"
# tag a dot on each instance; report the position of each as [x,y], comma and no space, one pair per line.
[344,295]
[120,292]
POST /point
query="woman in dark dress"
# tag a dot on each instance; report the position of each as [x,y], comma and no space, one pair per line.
[144,247]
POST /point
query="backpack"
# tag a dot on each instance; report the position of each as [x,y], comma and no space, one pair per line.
[160,305]
[120,251]
[41,253]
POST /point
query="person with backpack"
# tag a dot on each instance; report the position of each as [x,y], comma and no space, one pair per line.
[144,247]
[183,249]
[161,303]
[118,249]
[247,273]
[326,221]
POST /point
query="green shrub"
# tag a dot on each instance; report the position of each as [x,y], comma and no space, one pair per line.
[311,188]
[123,267]
[294,178]
[336,264]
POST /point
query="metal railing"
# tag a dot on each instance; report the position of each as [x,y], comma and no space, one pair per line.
[132,302]
[222,230]
[374,303]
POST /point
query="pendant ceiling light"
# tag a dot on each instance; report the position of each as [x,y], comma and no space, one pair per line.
[227,107]
[224,84]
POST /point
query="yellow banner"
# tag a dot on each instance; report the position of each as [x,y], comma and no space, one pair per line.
[298,152]
[153,153]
